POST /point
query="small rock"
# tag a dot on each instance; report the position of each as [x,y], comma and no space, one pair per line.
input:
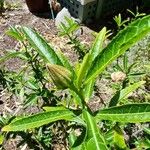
[118,76]
[11,14]
[60,18]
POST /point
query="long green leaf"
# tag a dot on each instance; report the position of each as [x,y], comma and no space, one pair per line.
[120,95]
[15,33]
[124,40]
[125,92]
[131,113]
[95,139]
[88,90]
[88,59]
[44,49]
[48,109]
[81,74]
[98,44]
[147,130]
[38,120]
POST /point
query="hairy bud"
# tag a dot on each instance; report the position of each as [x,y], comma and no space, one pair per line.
[60,76]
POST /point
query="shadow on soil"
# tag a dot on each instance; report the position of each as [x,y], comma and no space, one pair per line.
[110,23]
[104,20]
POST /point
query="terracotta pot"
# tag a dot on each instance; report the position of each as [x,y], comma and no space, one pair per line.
[37,6]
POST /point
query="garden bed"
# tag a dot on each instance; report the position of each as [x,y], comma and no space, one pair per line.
[105,87]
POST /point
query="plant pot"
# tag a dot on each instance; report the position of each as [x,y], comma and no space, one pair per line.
[37,6]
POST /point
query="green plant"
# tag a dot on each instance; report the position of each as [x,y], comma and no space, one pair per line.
[131,64]
[1,5]
[71,29]
[136,14]
[122,23]
[79,82]
[119,21]
[127,71]
[8,5]
[28,84]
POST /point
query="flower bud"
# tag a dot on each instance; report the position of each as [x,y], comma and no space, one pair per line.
[60,76]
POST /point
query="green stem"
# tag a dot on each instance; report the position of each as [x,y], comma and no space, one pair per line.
[79,93]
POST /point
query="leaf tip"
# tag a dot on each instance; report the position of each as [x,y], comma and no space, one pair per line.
[5,128]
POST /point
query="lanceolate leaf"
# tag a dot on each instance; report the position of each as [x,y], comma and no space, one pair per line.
[44,49]
[147,130]
[88,90]
[124,40]
[125,92]
[98,44]
[83,70]
[88,59]
[38,120]
[15,33]
[120,95]
[131,113]
[95,139]
[1,139]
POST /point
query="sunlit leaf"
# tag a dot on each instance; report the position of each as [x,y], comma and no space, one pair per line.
[120,95]
[98,44]
[1,139]
[48,109]
[131,113]
[44,49]
[15,33]
[95,139]
[119,140]
[124,40]
[38,120]
[81,74]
